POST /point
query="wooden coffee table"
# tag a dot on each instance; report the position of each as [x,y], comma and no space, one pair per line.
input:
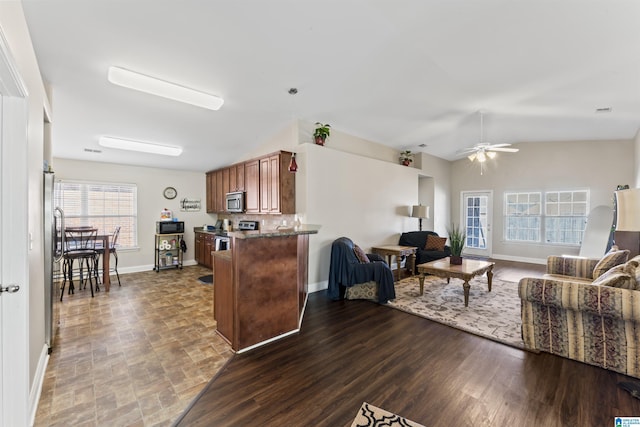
[466,271]
[398,251]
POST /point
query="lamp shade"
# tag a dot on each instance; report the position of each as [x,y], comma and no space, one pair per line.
[628,210]
[420,211]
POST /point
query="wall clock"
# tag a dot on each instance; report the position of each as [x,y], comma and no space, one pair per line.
[170,193]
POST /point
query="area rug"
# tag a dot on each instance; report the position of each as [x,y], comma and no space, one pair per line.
[494,315]
[369,415]
[207,280]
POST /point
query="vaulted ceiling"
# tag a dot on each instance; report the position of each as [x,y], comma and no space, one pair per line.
[403,73]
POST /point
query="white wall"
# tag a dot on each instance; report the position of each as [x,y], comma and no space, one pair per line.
[435,189]
[150,182]
[17,35]
[542,166]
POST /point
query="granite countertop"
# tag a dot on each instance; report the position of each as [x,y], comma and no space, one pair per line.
[279,232]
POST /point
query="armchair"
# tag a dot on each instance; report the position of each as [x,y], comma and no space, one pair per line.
[418,239]
[346,270]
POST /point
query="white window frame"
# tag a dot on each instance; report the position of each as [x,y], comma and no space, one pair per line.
[126,218]
[527,206]
[570,205]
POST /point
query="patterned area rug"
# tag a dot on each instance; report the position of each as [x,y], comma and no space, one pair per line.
[494,315]
[370,415]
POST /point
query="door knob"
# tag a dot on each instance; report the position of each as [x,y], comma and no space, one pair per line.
[11,289]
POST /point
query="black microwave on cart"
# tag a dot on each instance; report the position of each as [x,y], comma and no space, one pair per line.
[169,227]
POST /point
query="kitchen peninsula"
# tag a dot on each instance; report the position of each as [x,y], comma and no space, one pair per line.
[260,285]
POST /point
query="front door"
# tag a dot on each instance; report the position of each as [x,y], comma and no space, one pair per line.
[476,216]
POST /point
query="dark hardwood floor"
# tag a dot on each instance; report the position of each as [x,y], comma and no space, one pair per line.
[349,352]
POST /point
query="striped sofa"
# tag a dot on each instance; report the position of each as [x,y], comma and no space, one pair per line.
[586,310]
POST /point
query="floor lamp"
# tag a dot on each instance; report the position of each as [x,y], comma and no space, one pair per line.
[627,230]
[420,211]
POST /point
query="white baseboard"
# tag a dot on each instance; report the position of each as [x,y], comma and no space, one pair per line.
[519,259]
[38,381]
[148,267]
[318,286]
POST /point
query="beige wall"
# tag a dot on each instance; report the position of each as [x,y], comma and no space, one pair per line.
[542,166]
[150,182]
[636,172]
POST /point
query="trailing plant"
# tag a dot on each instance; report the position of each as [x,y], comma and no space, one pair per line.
[406,156]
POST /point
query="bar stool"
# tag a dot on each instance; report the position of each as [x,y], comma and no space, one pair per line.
[80,245]
[112,250]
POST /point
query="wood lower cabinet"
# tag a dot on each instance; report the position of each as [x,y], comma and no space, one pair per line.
[260,288]
[223,295]
[205,243]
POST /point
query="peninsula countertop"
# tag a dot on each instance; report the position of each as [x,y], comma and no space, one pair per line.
[277,232]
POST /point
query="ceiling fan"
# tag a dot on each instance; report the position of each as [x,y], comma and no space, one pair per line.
[484,150]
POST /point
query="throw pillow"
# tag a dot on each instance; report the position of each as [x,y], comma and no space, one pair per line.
[611,259]
[620,276]
[435,243]
[360,254]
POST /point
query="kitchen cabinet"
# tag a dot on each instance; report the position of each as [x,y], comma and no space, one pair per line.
[220,193]
[260,286]
[211,192]
[277,184]
[204,244]
[268,185]
[252,186]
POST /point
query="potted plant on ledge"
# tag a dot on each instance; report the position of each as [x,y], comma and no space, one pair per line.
[406,157]
[321,133]
[457,239]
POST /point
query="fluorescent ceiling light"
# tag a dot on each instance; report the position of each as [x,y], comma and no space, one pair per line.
[136,81]
[144,147]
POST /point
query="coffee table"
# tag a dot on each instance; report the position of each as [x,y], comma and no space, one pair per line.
[397,251]
[465,271]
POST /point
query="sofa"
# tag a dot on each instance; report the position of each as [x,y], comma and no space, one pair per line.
[586,310]
[367,274]
[418,239]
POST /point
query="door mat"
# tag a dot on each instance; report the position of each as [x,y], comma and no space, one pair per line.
[207,280]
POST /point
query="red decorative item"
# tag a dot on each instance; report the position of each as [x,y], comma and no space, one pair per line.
[320,140]
[293,166]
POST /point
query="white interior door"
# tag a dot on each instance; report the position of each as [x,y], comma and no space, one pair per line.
[477,219]
[14,256]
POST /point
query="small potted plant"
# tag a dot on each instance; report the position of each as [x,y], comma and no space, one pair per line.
[406,157]
[321,133]
[457,238]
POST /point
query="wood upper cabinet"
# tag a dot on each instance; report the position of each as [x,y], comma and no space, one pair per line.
[277,185]
[268,185]
[220,192]
[252,186]
[211,192]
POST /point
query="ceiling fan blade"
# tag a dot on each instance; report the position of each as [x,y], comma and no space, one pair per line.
[506,150]
[492,146]
[467,150]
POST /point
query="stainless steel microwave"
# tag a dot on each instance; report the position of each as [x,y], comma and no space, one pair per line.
[235,202]
[169,227]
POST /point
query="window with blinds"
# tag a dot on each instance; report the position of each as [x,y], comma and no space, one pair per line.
[100,205]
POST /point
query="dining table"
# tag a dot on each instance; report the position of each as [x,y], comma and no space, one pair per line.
[106,281]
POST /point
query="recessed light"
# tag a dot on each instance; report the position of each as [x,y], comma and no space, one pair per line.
[132,80]
[604,110]
[143,147]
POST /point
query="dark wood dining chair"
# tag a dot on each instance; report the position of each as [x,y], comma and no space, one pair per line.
[113,241]
[80,245]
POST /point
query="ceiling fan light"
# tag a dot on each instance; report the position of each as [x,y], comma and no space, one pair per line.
[491,154]
[472,157]
[143,147]
[132,80]
[482,157]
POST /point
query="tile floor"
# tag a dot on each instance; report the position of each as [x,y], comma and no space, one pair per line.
[135,356]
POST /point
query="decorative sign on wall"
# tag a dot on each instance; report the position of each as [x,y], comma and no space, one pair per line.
[189,205]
